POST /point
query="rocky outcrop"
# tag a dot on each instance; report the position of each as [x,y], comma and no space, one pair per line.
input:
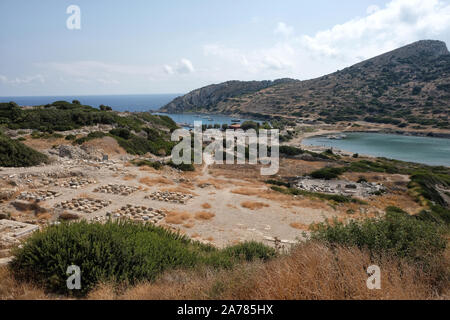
[409,85]
[208,97]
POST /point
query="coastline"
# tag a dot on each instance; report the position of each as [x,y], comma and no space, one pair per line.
[299,142]
[322,132]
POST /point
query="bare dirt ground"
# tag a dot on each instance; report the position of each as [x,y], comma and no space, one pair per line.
[229,204]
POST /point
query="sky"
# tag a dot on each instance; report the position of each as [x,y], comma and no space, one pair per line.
[175,46]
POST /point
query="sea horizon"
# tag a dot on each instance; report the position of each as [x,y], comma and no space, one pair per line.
[118,102]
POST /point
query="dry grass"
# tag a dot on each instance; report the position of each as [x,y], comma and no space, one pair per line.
[403,201]
[206,206]
[248,191]
[44,144]
[289,201]
[215,183]
[238,172]
[179,189]
[189,225]
[44,216]
[10,289]
[177,217]
[148,169]
[106,145]
[253,205]
[149,181]
[204,215]
[129,177]
[310,272]
[299,226]
[295,167]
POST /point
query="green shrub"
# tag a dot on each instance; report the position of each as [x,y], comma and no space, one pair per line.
[291,151]
[426,182]
[249,125]
[278,183]
[154,164]
[327,173]
[64,116]
[397,233]
[371,166]
[70,137]
[122,252]
[121,132]
[182,166]
[361,180]
[90,136]
[155,143]
[250,251]
[16,154]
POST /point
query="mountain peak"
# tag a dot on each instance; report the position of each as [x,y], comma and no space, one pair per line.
[434,48]
[406,86]
[423,49]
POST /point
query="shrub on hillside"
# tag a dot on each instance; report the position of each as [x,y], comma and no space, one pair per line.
[153,164]
[397,233]
[290,151]
[182,166]
[122,252]
[327,173]
[121,132]
[16,154]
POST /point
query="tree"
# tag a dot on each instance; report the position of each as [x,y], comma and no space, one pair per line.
[105,108]
[249,125]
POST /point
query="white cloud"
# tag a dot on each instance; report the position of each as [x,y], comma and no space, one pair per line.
[277,58]
[283,29]
[399,23]
[168,69]
[184,66]
[89,71]
[25,80]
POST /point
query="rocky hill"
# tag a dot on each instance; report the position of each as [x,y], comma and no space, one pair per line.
[208,97]
[407,86]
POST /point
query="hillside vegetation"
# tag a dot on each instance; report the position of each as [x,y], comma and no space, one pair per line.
[123,252]
[207,98]
[64,116]
[408,86]
[132,261]
[137,133]
[15,154]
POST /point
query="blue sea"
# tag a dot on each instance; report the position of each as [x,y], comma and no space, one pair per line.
[426,150]
[132,102]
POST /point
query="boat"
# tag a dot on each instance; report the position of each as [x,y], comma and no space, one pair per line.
[235,120]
